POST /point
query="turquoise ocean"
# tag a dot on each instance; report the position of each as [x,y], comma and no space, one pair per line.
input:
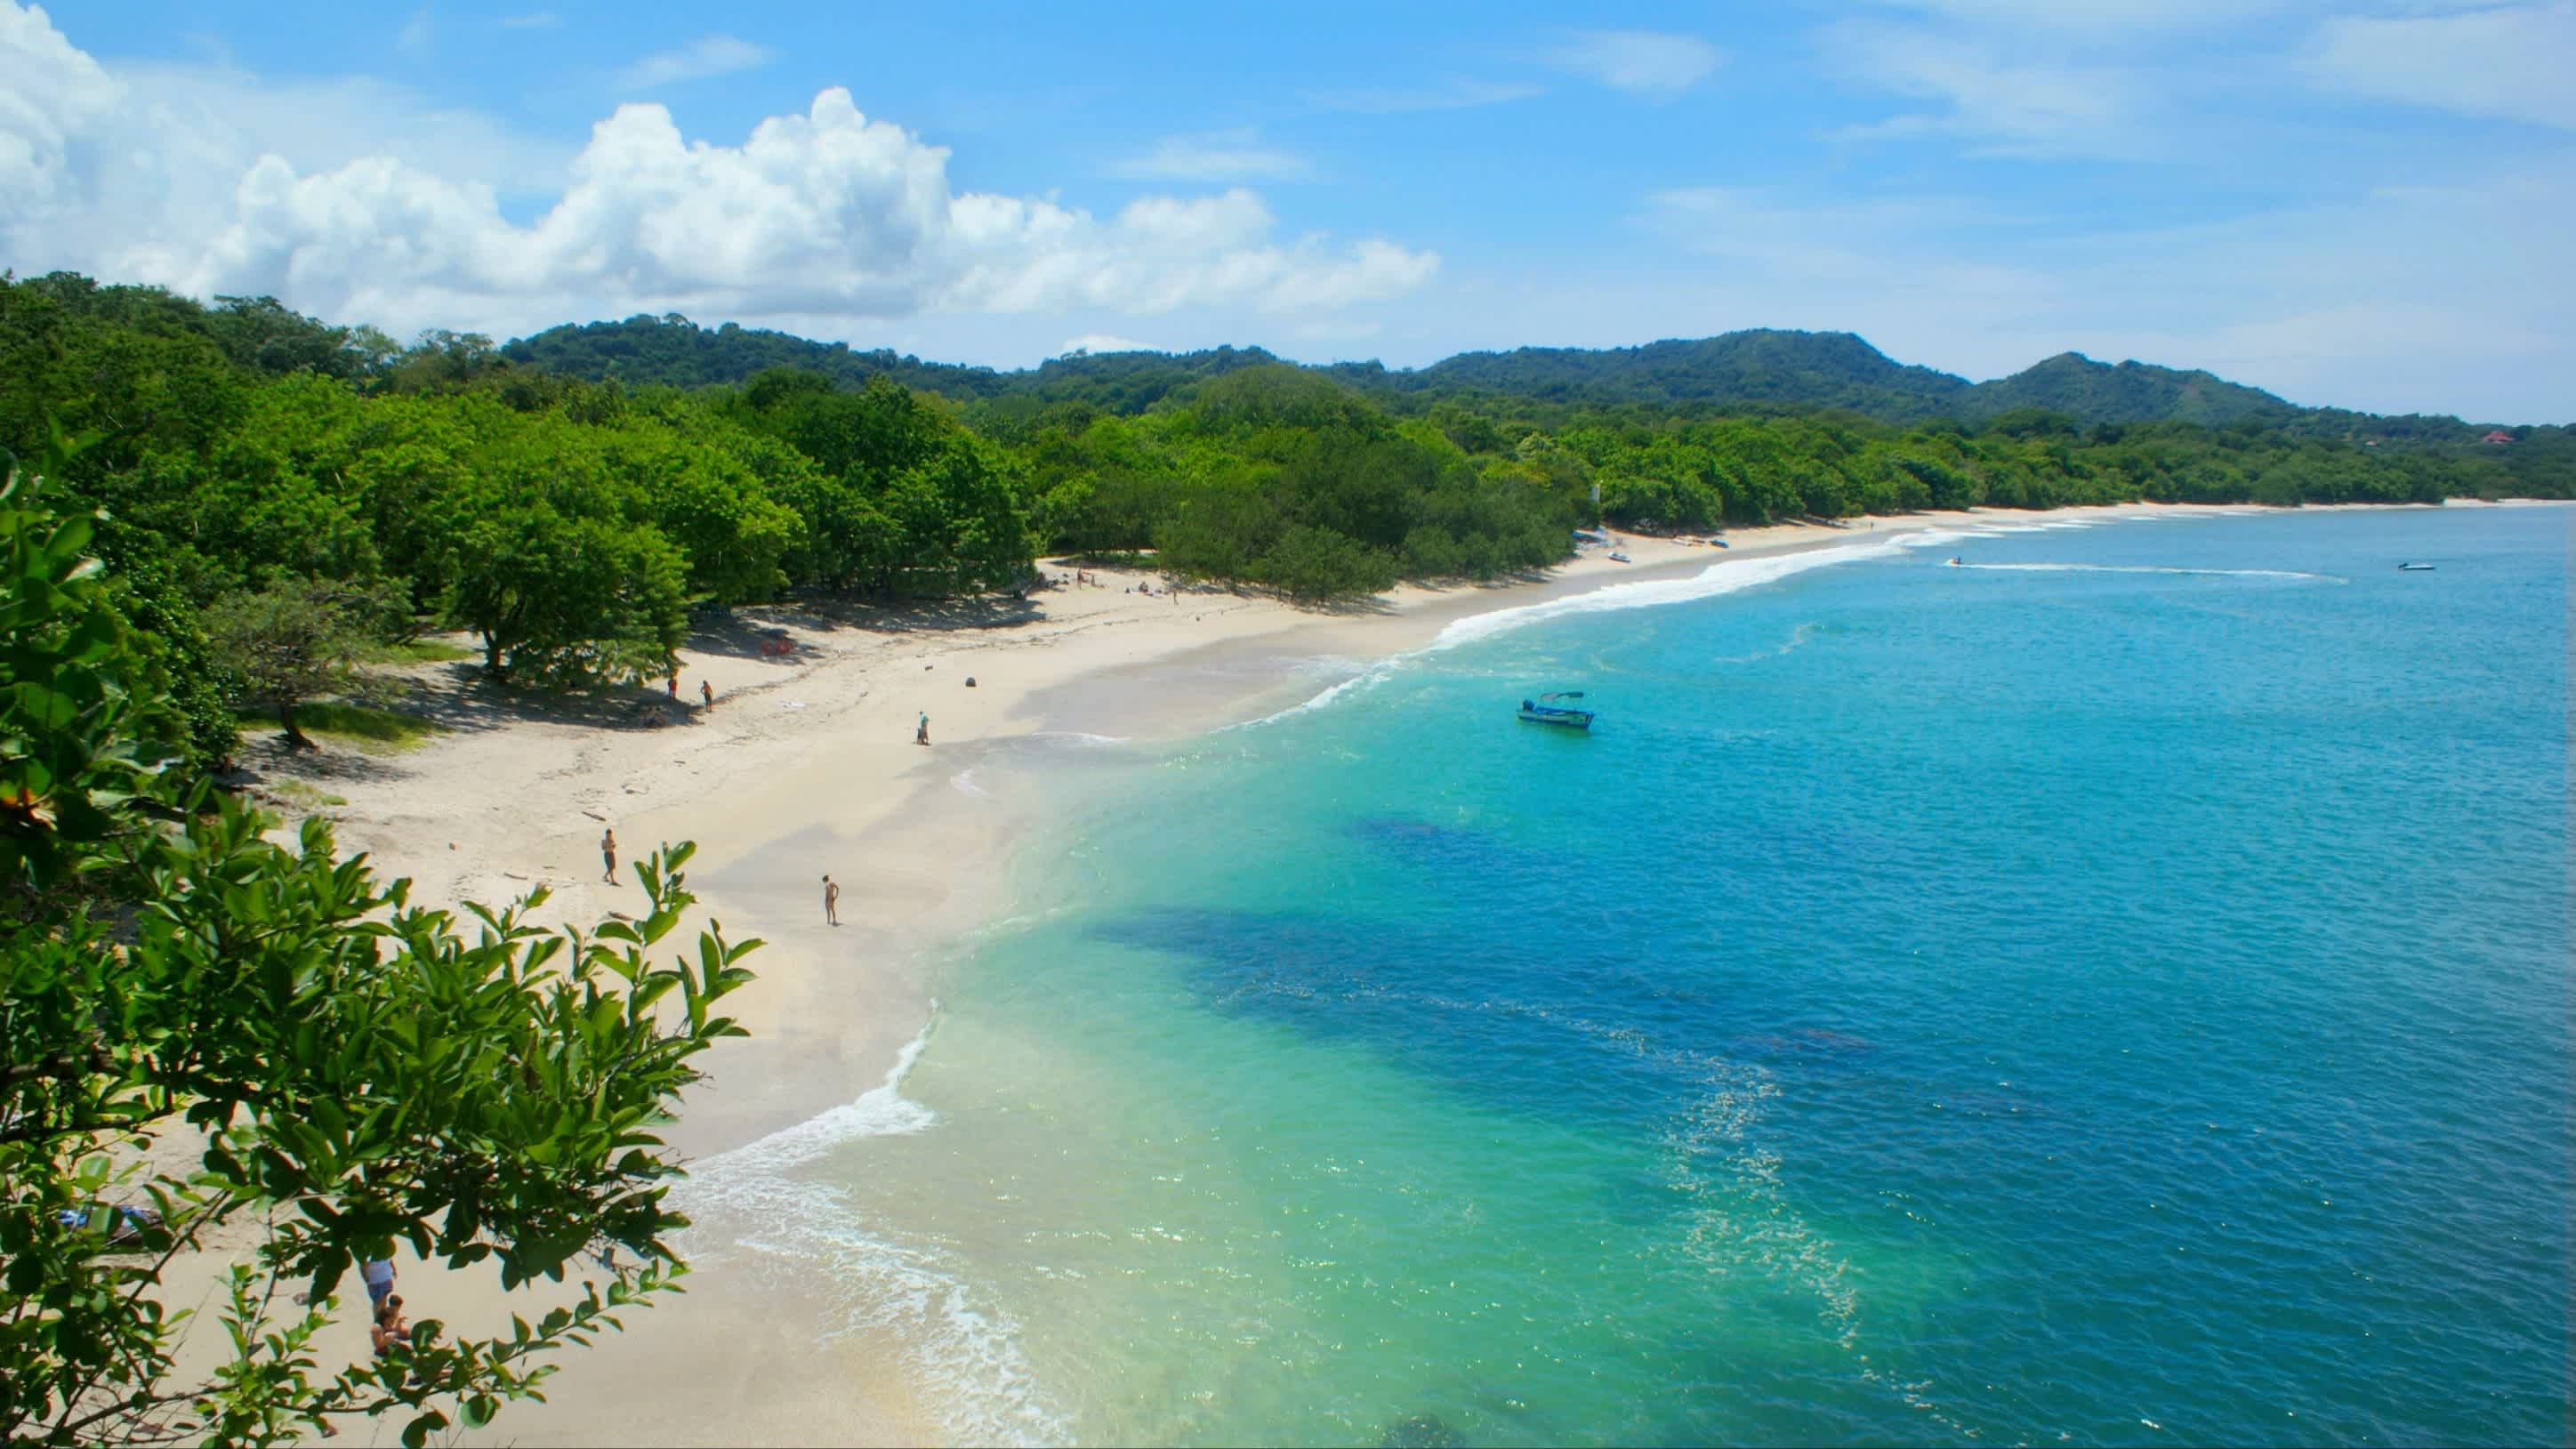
[2116,991]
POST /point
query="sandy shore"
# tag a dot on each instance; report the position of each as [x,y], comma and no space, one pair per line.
[805,764]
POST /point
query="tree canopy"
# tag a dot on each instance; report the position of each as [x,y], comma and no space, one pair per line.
[570,501]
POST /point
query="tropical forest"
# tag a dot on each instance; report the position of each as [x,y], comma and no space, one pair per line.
[276,494]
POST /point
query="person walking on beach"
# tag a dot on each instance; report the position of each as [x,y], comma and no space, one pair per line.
[707,692]
[831,901]
[608,856]
[921,732]
[675,683]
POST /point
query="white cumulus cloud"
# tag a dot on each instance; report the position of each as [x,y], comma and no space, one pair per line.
[57,101]
[823,214]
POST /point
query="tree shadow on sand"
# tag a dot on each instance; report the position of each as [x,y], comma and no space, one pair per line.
[459,695]
[269,758]
[1362,606]
[750,634]
[981,611]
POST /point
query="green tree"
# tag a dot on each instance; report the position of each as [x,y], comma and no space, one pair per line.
[364,1080]
[683,479]
[1317,564]
[567,601]
[298,640]
[265,334]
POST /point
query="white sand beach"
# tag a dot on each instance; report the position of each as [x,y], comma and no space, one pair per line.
[805,764]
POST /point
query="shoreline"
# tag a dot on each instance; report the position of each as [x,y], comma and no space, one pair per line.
[806,765]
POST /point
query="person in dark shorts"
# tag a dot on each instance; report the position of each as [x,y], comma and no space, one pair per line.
[379,1276]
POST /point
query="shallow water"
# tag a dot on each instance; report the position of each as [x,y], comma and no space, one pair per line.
[2113,992]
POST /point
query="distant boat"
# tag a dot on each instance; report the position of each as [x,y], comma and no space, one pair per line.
[2416,568]
[1543,710]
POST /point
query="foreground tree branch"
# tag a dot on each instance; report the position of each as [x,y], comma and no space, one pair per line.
[371,1078]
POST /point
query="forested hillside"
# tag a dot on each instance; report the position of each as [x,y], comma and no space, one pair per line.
[1755,371]
[1799,371]
[2132,392]
[676,351]
[275,487]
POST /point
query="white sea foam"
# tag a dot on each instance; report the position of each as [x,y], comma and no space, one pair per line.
[1928,537]
[964,780]
[881,1111]
[965,1360]
[1375,674]
[1078,737]
[1326,666]
[1724,577]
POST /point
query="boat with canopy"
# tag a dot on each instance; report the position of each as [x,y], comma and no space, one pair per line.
[1549,709]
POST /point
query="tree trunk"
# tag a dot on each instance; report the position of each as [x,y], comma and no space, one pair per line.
[295,739]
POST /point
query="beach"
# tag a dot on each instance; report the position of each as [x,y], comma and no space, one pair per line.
[804,765]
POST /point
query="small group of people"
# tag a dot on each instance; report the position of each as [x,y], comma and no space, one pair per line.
[706,690]
[390,1329]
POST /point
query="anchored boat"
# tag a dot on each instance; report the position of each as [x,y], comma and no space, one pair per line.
[1545,710]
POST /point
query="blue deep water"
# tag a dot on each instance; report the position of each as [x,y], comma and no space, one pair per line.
[2112,992]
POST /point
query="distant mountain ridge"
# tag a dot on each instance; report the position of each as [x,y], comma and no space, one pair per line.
[1756,369]
[1766,367]
[2132,392]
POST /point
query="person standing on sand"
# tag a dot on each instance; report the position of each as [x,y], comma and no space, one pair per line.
[921,732]
[608,855]
[379,1276]
[707,692]
[675,682]
[831,901]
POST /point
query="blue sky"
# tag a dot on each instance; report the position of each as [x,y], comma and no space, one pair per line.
[2366,206]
